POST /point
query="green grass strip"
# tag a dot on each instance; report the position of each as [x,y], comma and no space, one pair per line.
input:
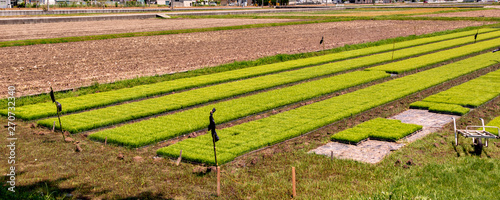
[169,126]
[378,128]
[445,55]
[121,113]
[243,138]
[440,107]
[73,104]
[467,177]
[470,94]
[140,34]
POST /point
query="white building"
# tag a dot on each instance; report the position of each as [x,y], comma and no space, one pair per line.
[5,4]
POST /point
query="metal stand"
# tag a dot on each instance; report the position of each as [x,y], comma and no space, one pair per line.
[476,134]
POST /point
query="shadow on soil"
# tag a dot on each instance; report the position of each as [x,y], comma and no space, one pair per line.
[46,190]
[145,195]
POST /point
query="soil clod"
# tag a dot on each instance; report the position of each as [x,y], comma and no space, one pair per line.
[68,139]
[410,162]
[78,148]
[120,156]
[200,170]
[138,159]
[192,135]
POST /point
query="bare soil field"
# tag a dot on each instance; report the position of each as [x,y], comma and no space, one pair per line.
[67,29]
[477,13]
[32,69]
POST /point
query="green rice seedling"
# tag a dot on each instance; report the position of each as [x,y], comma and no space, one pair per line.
[121,113]
[379,128]
[494,122]
[431,59]
[84,102]
[271,130]
[165,127]
[470,94]
[440,107]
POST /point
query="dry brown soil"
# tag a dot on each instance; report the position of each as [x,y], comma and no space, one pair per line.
[67,29]
[32,69]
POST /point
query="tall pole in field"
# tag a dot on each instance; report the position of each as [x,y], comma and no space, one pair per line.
[321,43]
[294,192]
[215,138]
[475,36]
[393,44]
[215,153]
[59,109]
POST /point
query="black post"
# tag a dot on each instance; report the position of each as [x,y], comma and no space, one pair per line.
[475,36]
[64,138]
[215,138]
[321,43]
[215,152]
[59,109]
[393,44]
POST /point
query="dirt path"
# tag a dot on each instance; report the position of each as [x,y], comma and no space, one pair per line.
[67,29]
[32,69]
[373,151]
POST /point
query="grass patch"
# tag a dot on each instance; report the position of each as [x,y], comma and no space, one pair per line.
[379,128]
[466,178]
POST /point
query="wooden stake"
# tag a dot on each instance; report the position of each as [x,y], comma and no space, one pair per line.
[218,181]
[331,155]
[294,194]
[179,159]
[105,141]
[54,126]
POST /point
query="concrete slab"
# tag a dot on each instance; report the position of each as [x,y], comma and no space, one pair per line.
[372,151]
